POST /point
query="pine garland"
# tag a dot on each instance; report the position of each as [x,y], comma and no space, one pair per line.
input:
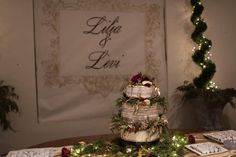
[170,145]
[201,54]
[202,86]
[122,124]
[157,100]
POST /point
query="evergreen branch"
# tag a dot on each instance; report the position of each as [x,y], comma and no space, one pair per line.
[8,104]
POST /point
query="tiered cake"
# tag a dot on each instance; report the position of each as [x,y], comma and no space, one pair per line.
[141,110]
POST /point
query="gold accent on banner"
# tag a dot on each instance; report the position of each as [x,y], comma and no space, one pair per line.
[97,84]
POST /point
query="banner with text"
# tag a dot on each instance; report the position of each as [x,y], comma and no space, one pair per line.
[87,49]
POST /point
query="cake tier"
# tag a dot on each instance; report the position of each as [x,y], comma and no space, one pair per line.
[138,91]
[140,136]
[139,112]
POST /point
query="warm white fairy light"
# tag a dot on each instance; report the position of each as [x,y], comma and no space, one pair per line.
[211,86]
[199,46]
[128,150]
[202,45]
[197,20]
[152,148]
[207,56]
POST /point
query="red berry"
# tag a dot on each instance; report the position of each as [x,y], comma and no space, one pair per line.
[65,152]
[191,139]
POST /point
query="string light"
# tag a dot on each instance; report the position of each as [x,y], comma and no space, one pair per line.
[173,144]
[128,150]
[202,55]
[211,86]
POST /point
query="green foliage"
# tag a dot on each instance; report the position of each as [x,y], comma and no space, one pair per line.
[208,68]
[122,124]
[8,104]
[169,145]
[160,101]
[98,148]
[202,86]
[136,101]
[119,123]
[213,98]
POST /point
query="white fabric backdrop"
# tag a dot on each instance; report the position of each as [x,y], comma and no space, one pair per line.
[86,50]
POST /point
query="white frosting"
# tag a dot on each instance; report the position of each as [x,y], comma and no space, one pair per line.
[139,91]
[140,136]
[139,112]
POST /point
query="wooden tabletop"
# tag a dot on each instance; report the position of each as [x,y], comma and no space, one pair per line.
[75,140]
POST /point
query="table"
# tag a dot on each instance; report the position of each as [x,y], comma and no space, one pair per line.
[109,137]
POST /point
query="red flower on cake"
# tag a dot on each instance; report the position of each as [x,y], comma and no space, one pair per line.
[140,78]
[65,152]
[136,78]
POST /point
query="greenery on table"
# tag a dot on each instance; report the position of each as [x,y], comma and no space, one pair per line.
[8,104]
[169,145]
[202,86]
